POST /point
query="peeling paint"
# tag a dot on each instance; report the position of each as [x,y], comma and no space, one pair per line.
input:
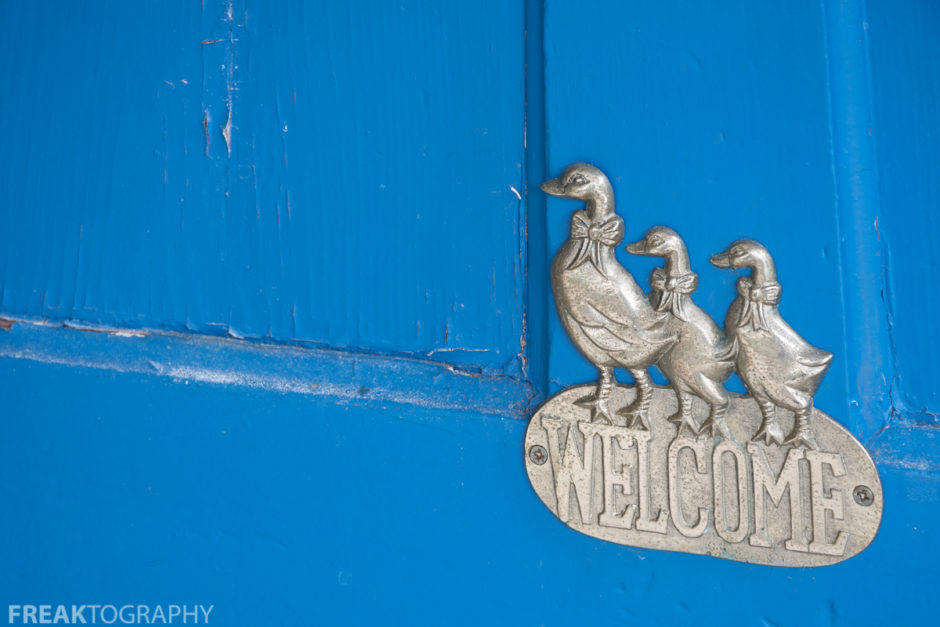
[227,133]
[226,226]
[205,128]
[285,369]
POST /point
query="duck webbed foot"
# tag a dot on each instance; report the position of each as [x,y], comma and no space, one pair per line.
[683,419]
[600,411]
[636,412]
[715,424]
[598,402]
[802,433]
[770,431]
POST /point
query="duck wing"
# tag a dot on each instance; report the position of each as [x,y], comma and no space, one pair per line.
[727,349]
[811,365]
[803,364]
[719,368]
[616,337]
[811,357]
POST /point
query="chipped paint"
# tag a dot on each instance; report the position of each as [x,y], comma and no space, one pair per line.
[286,369]
[274,198]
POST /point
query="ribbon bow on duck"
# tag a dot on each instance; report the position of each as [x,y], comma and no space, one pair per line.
[670,290]
[755,298]
[609,233]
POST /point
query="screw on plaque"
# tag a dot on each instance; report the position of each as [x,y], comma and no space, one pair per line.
[863,495]
[538,454]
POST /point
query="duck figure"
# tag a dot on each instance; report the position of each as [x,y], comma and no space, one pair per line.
[602,308]
[779,368]
[702,359]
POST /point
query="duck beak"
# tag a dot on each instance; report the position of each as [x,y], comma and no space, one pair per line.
[637,248]
[554,187]
[721,260]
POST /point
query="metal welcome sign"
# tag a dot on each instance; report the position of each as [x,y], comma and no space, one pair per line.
[764,478]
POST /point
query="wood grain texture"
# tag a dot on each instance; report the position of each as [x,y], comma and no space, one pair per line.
[904,49]
[283,510]
[340,174]
[341,376]
[869,352]
[713,119]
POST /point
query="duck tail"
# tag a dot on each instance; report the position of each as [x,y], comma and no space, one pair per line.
[727,350]
[661,346]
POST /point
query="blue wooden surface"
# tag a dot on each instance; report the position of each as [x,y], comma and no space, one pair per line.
[279,510]
[339,375]
[362,200]
[906,99]
[869,353]
[782,123]
[342,174]
[713,119]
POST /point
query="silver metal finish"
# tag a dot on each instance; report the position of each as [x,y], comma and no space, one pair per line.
[722,496]
[602,308]
[692,467]
[779,368]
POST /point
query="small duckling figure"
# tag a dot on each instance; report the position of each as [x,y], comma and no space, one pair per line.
[701,360]
[778,366]
[602,308]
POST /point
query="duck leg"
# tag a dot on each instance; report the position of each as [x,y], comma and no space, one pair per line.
[802,433]
[637,411]
[770,430]
[715,423]
[598,402]
[713,393]
[683,416]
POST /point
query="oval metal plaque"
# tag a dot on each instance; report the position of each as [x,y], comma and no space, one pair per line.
[719,496]
[764,478]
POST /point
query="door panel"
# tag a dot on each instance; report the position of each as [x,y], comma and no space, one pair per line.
[713,120]
[368,237]
[279,510]
[346,175]
[906,93]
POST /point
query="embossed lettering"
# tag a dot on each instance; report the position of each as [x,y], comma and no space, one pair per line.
[770,494]
[690,530]
[617,478]
[740,486]
[570,468]
[823,503]
[764,482]
[644,520]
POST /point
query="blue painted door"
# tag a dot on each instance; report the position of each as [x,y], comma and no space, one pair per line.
[275,308]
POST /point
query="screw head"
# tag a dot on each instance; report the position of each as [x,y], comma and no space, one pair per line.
[538,454]
[863,495]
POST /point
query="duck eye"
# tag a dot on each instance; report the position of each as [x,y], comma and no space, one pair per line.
[737,252]
[577,179]
[656,241]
